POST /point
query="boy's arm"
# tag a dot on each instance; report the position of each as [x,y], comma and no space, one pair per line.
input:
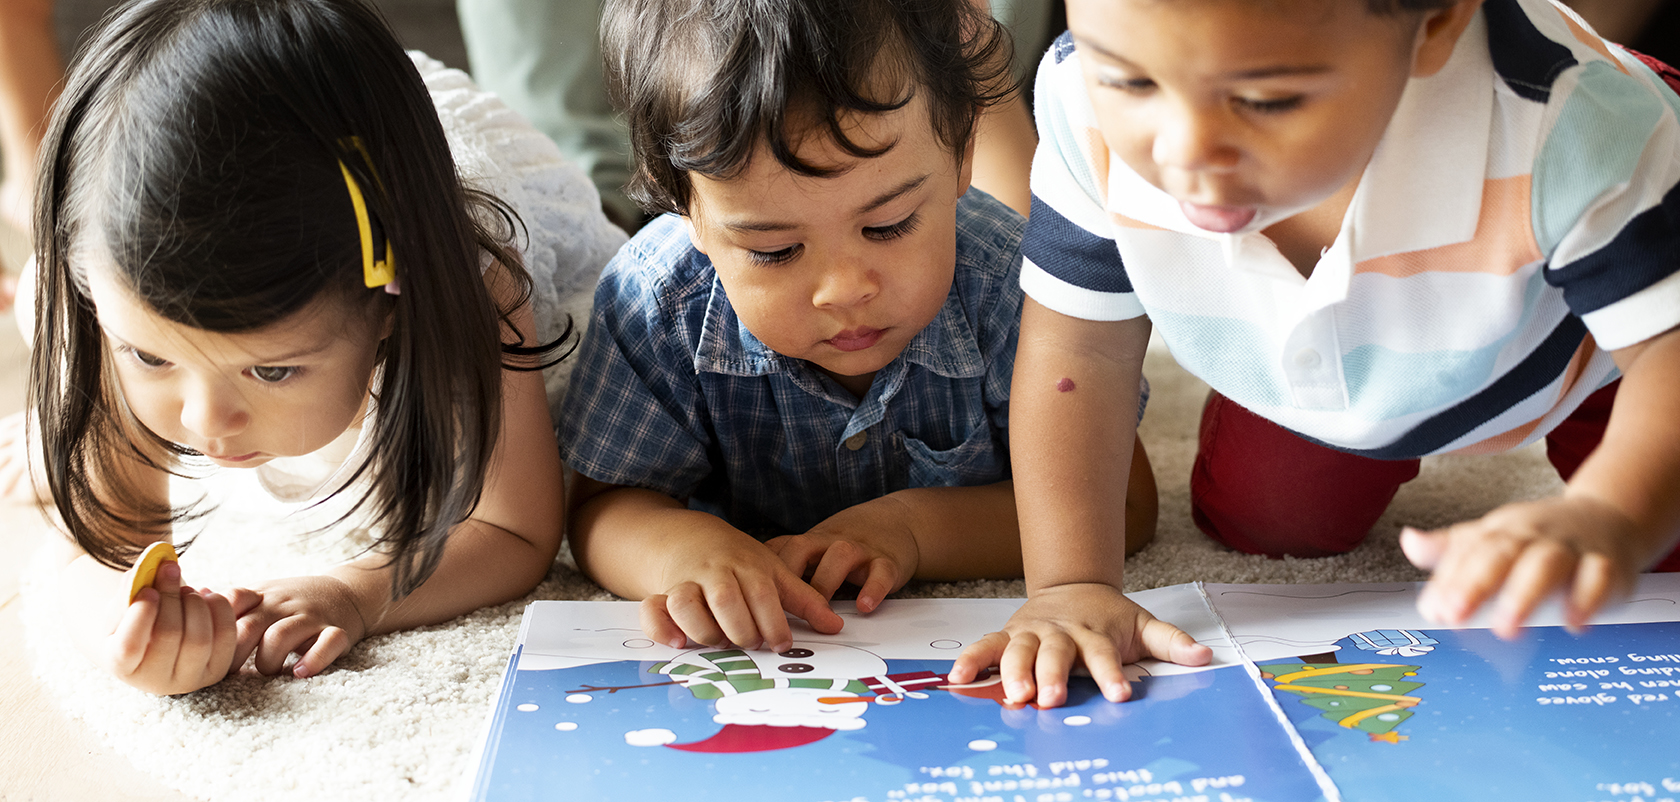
[1619,514]
[695,574]
[1073,413]
[937,534]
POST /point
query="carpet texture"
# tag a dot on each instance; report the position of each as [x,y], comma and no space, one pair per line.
[398,717]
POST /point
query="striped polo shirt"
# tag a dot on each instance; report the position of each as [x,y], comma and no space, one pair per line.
[1518,220]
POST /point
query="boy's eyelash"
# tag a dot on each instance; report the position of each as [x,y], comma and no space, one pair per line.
[899,229]
[1271,106]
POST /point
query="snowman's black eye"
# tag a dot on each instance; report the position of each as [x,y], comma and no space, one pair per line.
[795,654]
[794,668]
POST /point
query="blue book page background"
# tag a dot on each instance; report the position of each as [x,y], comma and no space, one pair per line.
[1207,734]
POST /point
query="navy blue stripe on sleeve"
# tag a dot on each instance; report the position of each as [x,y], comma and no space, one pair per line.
[1522,55]
[1064,250]
[1644,252]
[1537,371]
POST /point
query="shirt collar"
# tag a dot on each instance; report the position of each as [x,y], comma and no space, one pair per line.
[945,346]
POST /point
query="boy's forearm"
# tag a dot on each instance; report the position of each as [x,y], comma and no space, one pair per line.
[1636,467]
[963,532]
[1073,412]
[624,538]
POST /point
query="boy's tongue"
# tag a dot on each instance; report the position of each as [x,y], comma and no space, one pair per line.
[1218,219]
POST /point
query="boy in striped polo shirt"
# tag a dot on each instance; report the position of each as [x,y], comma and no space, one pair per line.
[1379,230]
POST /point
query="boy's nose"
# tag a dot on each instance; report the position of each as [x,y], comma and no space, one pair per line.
[847,283]
[1193,139]
[212,411]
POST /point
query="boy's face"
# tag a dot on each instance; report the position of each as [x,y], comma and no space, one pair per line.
[1237,107]
[841,271]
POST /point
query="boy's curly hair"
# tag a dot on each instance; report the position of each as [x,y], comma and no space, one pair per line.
[721,76]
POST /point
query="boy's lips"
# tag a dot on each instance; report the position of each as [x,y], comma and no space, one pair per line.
[1218,219]
[856,339]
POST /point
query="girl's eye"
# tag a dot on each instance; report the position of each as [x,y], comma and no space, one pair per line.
[149,360]
[773,257]
[899,229]
[272,374]
[1131,86]
[1271,105]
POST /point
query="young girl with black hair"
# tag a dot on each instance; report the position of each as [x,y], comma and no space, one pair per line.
[254,252]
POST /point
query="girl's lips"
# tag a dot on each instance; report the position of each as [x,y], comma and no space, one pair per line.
[240,458]
[1218,219]
[856,339]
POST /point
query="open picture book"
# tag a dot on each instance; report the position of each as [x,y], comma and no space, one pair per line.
[1315,692]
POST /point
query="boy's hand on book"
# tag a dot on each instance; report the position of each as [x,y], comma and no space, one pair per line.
[314,617]
[1063,623]
[173,638]
[732,590]
[1525,552]
[868,545]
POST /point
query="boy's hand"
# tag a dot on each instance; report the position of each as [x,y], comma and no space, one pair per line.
[869,545]
[728,588]
[173,638]
[1060,624]
[1525,552]
[314,617]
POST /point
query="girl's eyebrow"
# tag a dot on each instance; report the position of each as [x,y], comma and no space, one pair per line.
[275,359]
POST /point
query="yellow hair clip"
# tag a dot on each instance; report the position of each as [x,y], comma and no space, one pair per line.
[375,272]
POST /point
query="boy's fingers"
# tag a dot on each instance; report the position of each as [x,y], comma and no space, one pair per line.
[686,604]
[838,562]
[979,656]
[796,552]
[331,644]
[749,609]
[1422,549]
[1105,664]
[1470,571]
[1016,664]
[807,604]
[1055,660]
[1543,567]
[1163,641]
[1595,582]
[882,578]
[657,623]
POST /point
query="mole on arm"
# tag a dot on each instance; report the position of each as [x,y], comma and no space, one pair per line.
[1065,385]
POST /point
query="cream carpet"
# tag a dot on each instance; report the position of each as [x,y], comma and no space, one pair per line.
[398,717]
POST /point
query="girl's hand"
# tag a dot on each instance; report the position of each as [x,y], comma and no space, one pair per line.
[1524,552]
[1063,623]
[173,638]
[314,617]
[869,545]
[728,588]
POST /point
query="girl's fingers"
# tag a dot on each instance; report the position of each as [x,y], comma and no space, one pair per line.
[331,644]
[198,638]
[658,624]
[284,637]
[225,628]
[133,635]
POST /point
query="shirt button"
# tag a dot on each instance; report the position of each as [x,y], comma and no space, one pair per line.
[856,441]
[1306,358]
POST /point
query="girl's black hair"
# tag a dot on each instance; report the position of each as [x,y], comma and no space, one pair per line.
[703,82]
[196,148]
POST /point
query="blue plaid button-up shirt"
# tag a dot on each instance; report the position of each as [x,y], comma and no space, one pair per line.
[672,393]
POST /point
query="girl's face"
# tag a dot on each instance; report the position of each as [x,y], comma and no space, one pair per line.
[283,390]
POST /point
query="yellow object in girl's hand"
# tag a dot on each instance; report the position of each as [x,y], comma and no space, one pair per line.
[145,569]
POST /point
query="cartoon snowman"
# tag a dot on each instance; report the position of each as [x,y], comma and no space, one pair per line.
[777,700]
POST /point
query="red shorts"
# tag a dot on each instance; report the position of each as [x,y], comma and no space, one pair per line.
[1261,489]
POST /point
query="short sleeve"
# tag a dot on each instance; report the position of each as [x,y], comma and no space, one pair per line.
[1607,202]
[1071,263]
[633,413]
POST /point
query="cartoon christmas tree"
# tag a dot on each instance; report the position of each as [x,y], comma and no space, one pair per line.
[1371,697]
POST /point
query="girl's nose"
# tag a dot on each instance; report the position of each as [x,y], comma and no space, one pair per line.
[212,410]
[846,283]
